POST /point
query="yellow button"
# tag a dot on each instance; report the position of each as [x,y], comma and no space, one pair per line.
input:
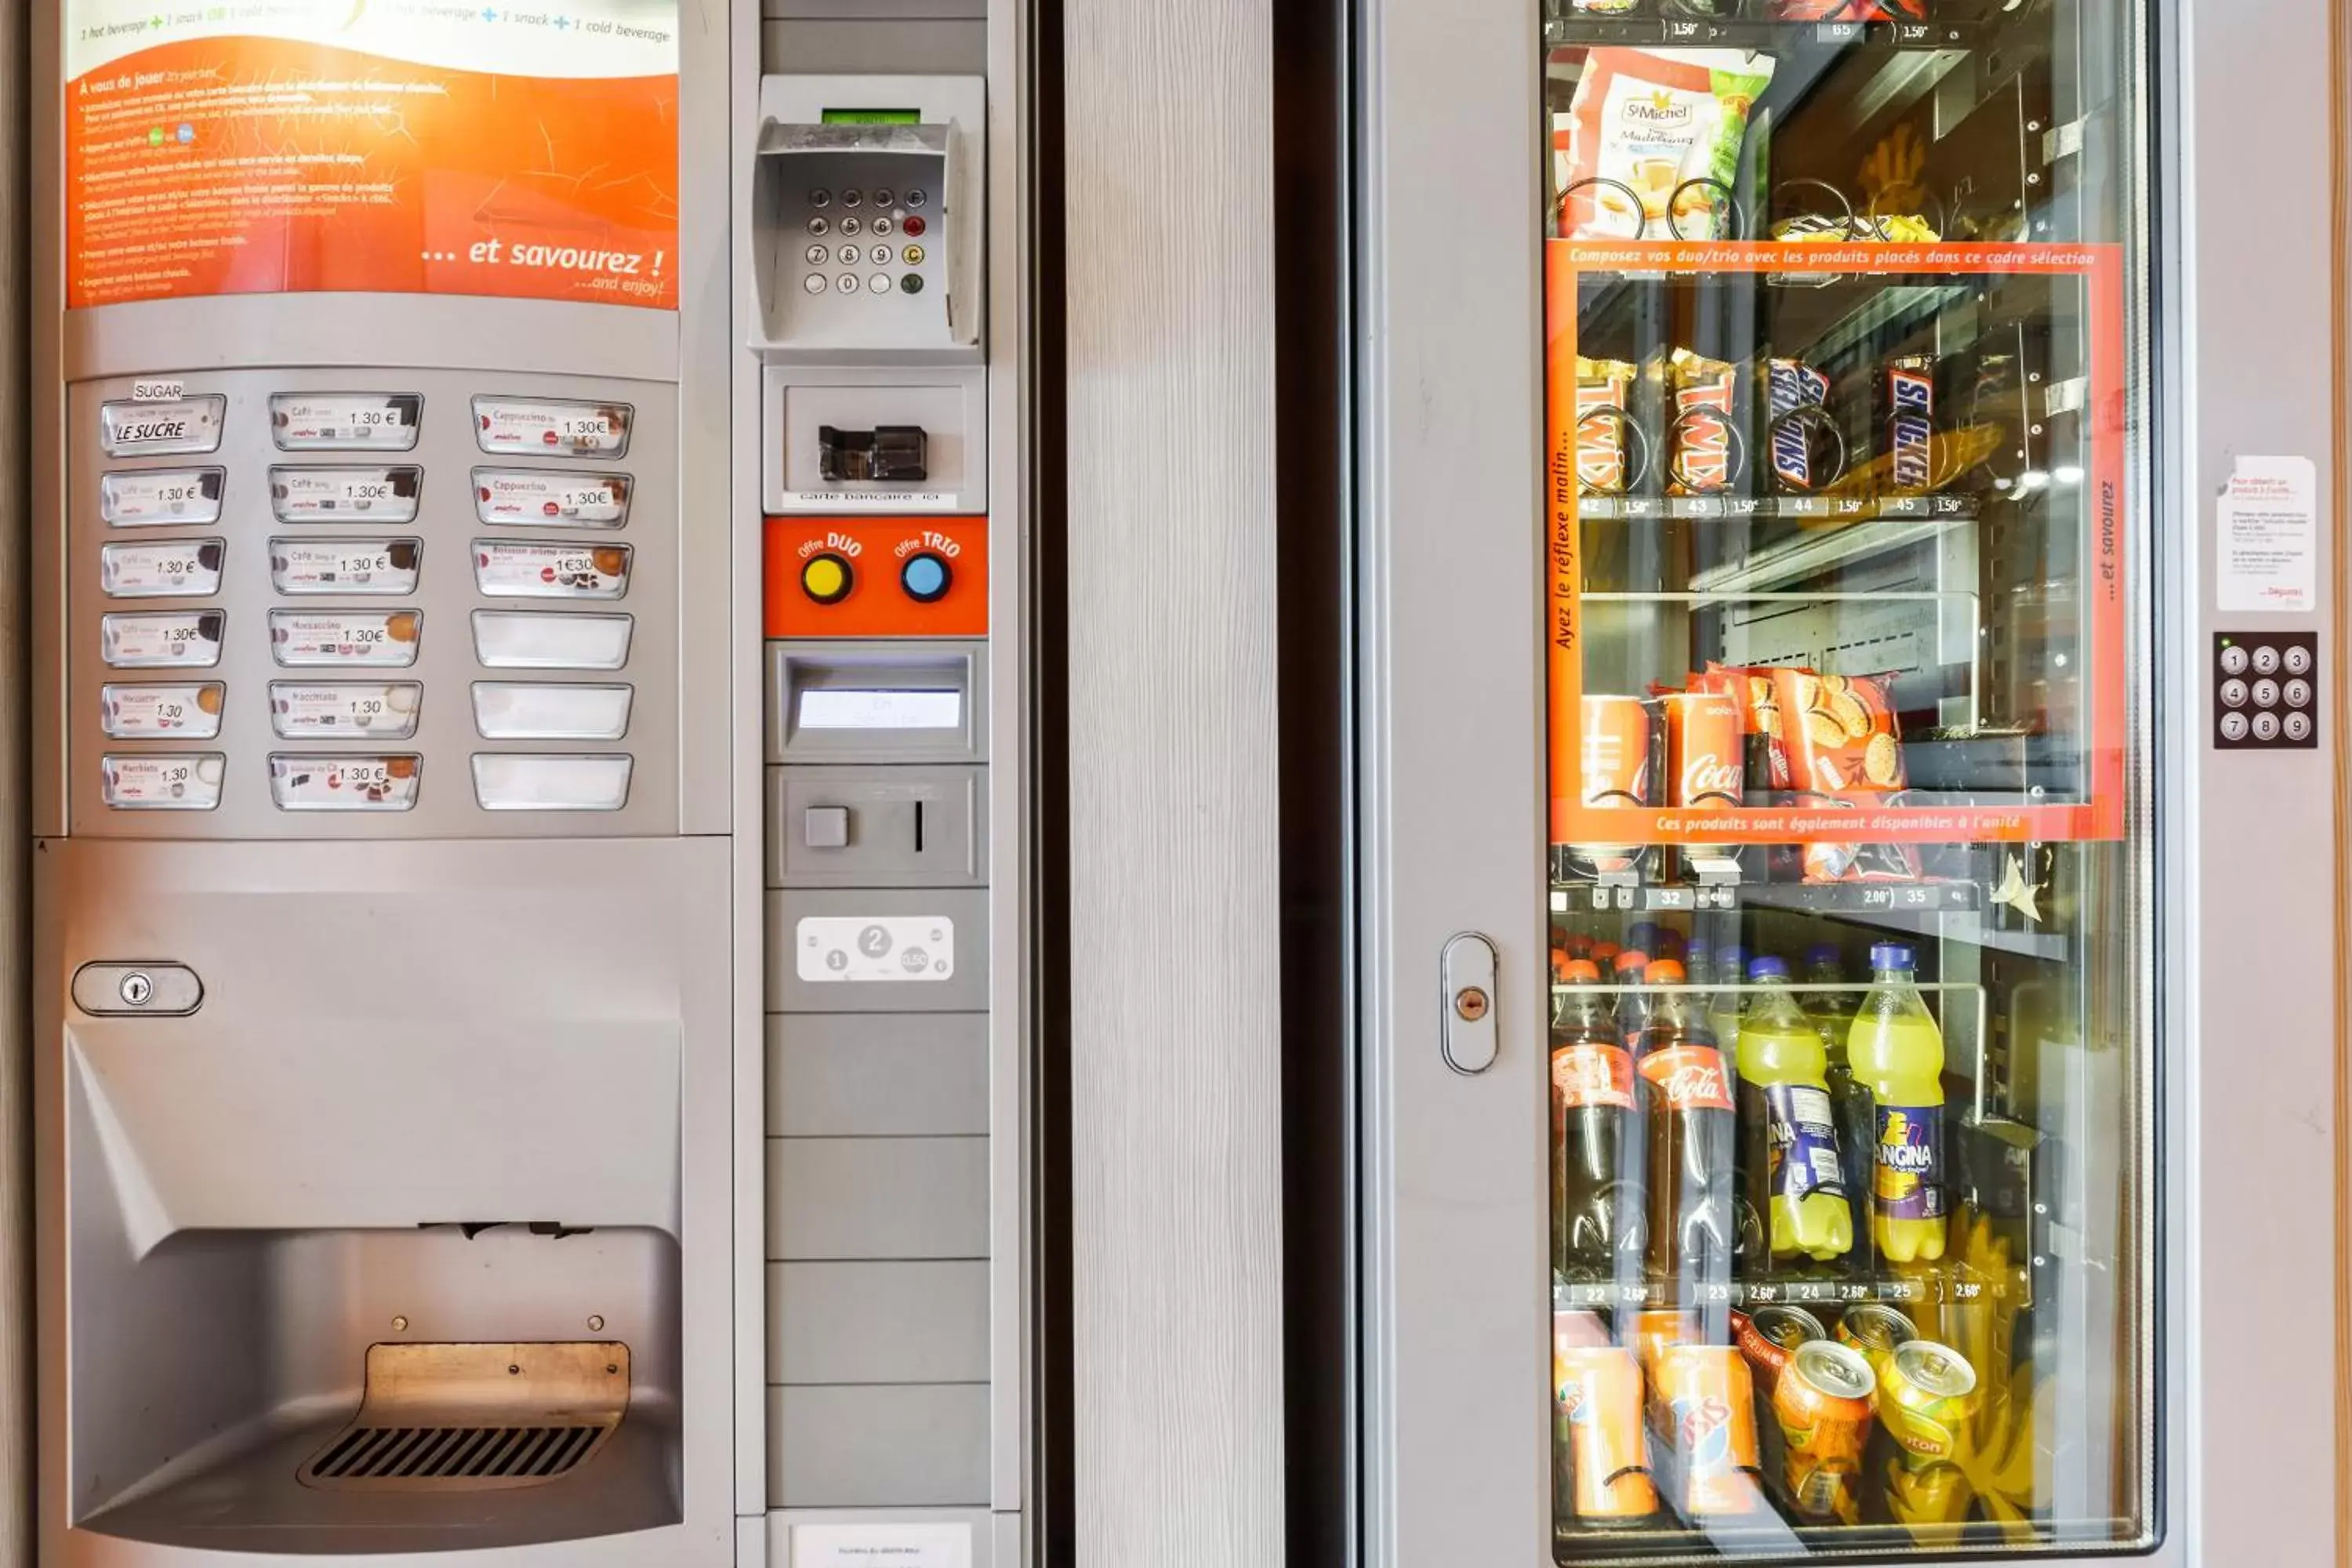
[826,579]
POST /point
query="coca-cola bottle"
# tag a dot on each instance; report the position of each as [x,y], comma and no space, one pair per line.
[1596,1144]
[1693,1145]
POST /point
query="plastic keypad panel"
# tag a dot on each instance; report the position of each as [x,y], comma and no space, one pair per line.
[864,230]
[2266,692]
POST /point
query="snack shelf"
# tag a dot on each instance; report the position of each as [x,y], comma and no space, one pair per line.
[1844,508]
[1819,1291]
[1773,37]
[1818,552]
[1569,896]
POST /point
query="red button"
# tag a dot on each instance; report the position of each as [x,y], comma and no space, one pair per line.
[912,224]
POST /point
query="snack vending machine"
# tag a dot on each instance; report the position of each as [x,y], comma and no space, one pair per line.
[528,1007]
[1830,1061]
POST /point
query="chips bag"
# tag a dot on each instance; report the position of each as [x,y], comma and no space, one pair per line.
[1649,122]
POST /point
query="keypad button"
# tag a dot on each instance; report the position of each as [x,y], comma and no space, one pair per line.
[852,226]
[879,256]
[912,283]
[2233,660]
[2298,660]
[914,255]
[817,254]
[2297,693]
[913,227]
[2233,693]
[916,197]
[2298,726]
[2266,660]
[2233,726]
[848,255]
[852,198]
[847,283]
[881,226]
[882,197]
[2266,726]
[814,283]
[820,198]
[879,283]
[2266,693]
[820,225]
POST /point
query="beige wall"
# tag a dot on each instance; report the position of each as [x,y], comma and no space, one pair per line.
[1175,1027]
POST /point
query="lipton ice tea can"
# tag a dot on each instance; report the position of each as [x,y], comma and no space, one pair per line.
[1706,1394]
[1613,774]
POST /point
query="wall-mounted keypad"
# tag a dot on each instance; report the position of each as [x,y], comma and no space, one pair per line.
[2267,690]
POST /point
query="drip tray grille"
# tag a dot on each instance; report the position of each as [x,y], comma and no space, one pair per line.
[476,1418]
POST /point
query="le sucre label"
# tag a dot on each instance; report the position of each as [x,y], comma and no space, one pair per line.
[161,429]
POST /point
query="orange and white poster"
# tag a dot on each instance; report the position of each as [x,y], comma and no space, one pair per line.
[405,146]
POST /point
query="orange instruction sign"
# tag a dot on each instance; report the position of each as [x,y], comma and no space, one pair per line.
[403,146]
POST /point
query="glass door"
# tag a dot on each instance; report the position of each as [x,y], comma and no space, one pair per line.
[1850,1215]
[1851,1089]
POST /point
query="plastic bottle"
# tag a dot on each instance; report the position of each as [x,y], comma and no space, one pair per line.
[1723,1007]
[1784,1066]
[1633,1004]
[1831,1011]
[1596,1154]
[1898,1052]
[1692,1139]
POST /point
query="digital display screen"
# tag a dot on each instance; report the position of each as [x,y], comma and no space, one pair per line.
[873,117]
[825,709]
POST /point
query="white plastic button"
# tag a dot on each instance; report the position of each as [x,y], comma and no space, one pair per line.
[879,283]
[846,283]
[2233,693]
[814,283]
[523,640]
[2233,726]
[2298,660]
[548,782]
[2233,660]
[2297,693]
[2298,726]
[2266,693]
[2266,726]
[2266,660]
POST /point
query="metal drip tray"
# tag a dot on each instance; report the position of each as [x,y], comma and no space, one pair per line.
[480,1417]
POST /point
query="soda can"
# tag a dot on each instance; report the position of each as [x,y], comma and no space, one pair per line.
[1706,1400]
[1823,1403]
[1875,1329]
[1613,761]
[1704,766]
[1608,1484]
[1657,1332]
[1926,1393]
[1770,1336]
[1910,384]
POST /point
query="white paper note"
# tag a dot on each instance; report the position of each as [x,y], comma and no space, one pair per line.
[2266,537]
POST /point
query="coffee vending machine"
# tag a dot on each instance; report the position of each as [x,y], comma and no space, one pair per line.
[529,815]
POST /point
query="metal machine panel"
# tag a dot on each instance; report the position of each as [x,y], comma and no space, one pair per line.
[878,1075]
[881,827]
[844,1198]
[877,1322]
[923,1445]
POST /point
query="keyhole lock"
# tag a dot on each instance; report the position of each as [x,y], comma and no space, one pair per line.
[1470,1003]
[1465,1003]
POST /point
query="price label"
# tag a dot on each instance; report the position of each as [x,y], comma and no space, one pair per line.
[159,781]
[174,568]
[384,712]
[144,713]
[299,639]
[551,429]
[332,421]
[345,495]
[182,639]
[157,429]
[344,565]
[344,782]
[148,498]
[550,571]
[539,497]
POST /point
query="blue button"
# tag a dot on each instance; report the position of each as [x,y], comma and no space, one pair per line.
[925,578]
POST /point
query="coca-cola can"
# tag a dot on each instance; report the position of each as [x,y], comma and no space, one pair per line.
[1614,761]
[1706,770]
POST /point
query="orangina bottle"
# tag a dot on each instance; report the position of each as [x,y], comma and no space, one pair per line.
[1782,1061]
[1898,1052]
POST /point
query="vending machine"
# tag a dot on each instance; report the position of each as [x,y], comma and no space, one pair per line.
[527,713]
[1849,846]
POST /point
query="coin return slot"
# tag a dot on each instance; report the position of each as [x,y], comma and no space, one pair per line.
[476,1418]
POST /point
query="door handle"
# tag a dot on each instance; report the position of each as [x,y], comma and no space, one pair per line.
[1468,1034]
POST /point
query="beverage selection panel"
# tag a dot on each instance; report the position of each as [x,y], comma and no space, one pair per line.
[1851,1248]
[307,603]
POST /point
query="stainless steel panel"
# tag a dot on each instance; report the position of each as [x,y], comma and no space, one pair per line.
[794,669]
[846,1199]
[877,1322]
[878,1074]
[879,1447]
[963,913]
[906,827]
[445,660]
